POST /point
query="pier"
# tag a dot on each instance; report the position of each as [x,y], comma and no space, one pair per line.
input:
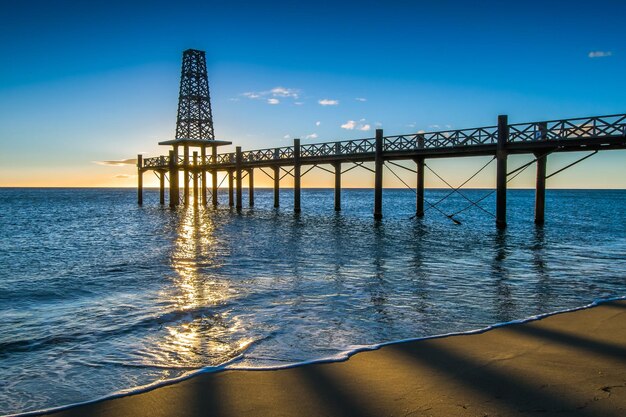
[540,139]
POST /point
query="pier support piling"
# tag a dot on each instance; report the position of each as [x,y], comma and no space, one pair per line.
[419,202]
[540,189]
[276,187]
[501,176]
[186,174]
[238,175]
[231,200]
[162,187]
[337,186]
[139,180]
[173,178]
[251,187]
[378,176]
[296,176]
[203,175]
[214,177]
[195,178]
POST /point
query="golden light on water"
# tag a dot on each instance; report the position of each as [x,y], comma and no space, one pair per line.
[203,334]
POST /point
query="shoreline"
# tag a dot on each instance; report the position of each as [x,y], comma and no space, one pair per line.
[347,357]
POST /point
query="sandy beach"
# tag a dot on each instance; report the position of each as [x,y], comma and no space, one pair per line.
[566,364]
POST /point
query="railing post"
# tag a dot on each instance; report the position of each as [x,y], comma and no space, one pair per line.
[419,202]
[214,176]
[378,176]
[203,170]
[251,187]
[186,174]
[296,175]
[174,178]
[501,159]
[238,173]
[162,188]
[139,179]
[195,177]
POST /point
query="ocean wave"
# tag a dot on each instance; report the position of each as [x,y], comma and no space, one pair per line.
[340,357]
[175,316]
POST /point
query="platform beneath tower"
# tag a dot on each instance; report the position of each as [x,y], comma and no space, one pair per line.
[195,142]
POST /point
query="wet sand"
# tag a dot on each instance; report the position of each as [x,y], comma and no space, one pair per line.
[566,364]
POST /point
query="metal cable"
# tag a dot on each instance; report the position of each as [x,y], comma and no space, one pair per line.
[415,192]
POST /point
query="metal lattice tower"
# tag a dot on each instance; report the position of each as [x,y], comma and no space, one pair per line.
[195,120]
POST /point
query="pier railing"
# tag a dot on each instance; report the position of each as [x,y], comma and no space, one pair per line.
[579,128]
[553,130]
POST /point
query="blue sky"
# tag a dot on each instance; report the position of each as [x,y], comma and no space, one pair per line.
[91,81]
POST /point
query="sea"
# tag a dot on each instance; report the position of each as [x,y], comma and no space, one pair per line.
[101,297]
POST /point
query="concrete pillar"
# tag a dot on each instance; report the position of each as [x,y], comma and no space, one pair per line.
[296,176]
[419,202]
[186,174]
[238,173]
[203,178]
[139,180]
[378,176]
[214,177]
[501,177]
[195,178]
[251,187]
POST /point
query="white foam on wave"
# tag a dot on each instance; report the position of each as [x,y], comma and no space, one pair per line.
[340,357]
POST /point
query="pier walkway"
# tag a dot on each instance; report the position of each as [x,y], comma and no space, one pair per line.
[593,134]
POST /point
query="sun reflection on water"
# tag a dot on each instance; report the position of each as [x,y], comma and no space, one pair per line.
[204,334]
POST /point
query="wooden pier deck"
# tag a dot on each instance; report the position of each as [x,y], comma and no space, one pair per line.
[593,134]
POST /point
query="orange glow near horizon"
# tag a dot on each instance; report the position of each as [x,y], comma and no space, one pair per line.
[604,171]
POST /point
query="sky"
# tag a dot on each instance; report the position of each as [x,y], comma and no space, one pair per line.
[82,83]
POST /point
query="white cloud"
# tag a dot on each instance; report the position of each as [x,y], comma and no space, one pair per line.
[318,123]
[328,102]
[298,103]
[125,176]
[421,131]
[251,95]
[412,125]
[599,54]
[117,163]
[284,92]
[434,126]
[378,124]
[349,125]
[233,99]
[360,99]
[360,125]
[287,137]
[271,95]
[311,136]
